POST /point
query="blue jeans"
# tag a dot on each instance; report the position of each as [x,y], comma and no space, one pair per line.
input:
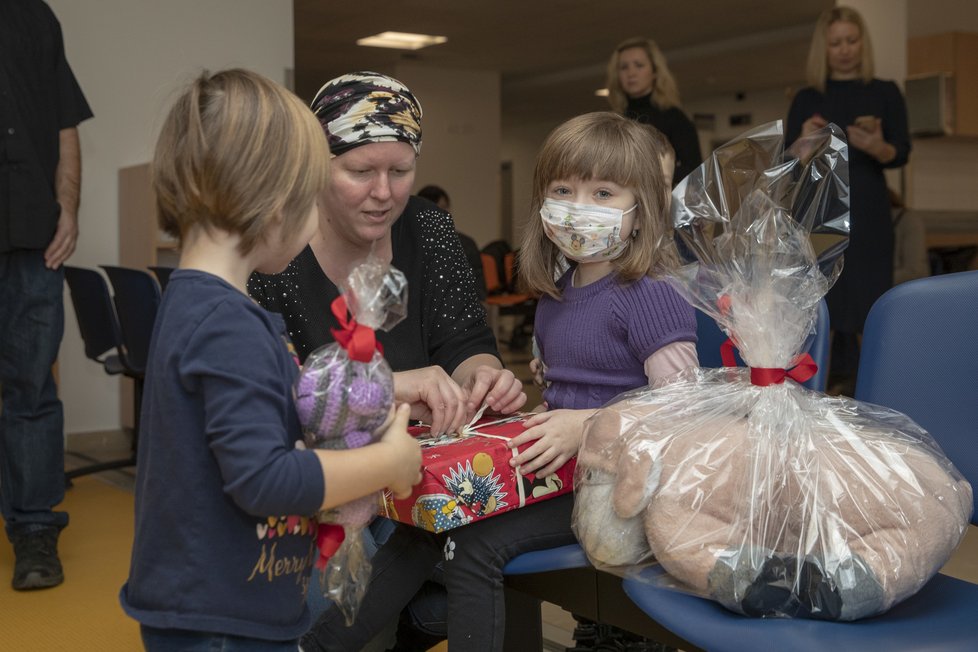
[180,640]
[32,480]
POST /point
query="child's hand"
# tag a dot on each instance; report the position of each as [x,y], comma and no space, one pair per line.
[538,369]
[404,452]
[557,436]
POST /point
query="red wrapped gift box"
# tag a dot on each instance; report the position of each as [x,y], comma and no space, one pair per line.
[468,478]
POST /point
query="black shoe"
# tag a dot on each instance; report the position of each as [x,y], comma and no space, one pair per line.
[37,566]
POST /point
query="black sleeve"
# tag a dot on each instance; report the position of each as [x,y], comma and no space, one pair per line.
[801,110]
[72,106]
[895,129]
[686,142]
[457,327]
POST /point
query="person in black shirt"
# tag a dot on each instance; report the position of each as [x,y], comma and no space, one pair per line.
[41,105]
[443,354]
[641,87]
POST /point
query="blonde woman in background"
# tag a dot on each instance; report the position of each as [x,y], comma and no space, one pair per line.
[872,111]
[641,87]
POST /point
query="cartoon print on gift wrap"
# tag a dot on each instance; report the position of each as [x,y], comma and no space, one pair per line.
[541,486]
[476,485]
[438,512]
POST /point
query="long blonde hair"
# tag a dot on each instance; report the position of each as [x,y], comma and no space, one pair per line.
[236,151]
[818,66]
[608,147]
[665,92]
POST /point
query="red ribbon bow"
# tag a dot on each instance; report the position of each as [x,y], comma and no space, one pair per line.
[359,341]
[329,536]
[802,368]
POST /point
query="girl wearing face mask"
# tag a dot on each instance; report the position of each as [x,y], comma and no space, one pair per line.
[609,323]
[606,326]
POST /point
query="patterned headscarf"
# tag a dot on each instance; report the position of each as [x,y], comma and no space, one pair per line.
[367,107]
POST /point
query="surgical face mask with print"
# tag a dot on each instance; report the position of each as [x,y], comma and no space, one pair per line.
[584,233]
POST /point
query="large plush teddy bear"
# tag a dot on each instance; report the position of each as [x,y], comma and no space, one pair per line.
[825,508]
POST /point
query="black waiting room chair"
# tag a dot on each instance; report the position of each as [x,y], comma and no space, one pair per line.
[101,336]
[136,295]
[162,274]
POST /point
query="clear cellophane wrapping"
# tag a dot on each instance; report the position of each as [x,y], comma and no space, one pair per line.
[770,498]
[343,397]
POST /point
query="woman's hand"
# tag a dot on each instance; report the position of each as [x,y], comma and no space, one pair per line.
[557,437]
[498,387]
[813,124]
[433,396]
[868,137]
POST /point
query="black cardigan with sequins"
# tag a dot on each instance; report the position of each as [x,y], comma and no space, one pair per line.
[445,323]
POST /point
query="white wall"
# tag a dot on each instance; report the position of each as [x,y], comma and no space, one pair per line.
[460,148]
[520,145]
[763,107]
[129,57]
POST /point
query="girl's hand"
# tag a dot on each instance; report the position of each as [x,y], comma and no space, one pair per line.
[813,124]
[433,396]
[404,451]
[538,369]
[498,387]
[557,437]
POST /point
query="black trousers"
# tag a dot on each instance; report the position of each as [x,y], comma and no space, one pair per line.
[474,556]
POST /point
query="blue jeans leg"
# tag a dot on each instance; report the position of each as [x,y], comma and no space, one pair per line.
[179,640]
[32,479]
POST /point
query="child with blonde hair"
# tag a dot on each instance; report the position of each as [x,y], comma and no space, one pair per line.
[225,496]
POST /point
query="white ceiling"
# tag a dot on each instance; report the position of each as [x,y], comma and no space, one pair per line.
[551,54]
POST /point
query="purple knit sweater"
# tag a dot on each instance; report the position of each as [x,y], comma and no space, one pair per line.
[596,339]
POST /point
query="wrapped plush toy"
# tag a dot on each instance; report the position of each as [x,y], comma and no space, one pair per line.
[343,396]
[746,487]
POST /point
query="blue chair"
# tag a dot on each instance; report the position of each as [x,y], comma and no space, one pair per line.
[710,338]
[919,347]
[100,334]
[543,573]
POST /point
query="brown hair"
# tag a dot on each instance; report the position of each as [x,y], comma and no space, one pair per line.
[665,92]
[235,150]
[817,70]
[605,146]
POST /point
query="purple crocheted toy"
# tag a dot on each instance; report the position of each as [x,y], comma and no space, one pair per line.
[341,403]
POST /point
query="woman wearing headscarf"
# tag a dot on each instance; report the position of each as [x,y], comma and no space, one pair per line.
[443,353]
[641,87]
